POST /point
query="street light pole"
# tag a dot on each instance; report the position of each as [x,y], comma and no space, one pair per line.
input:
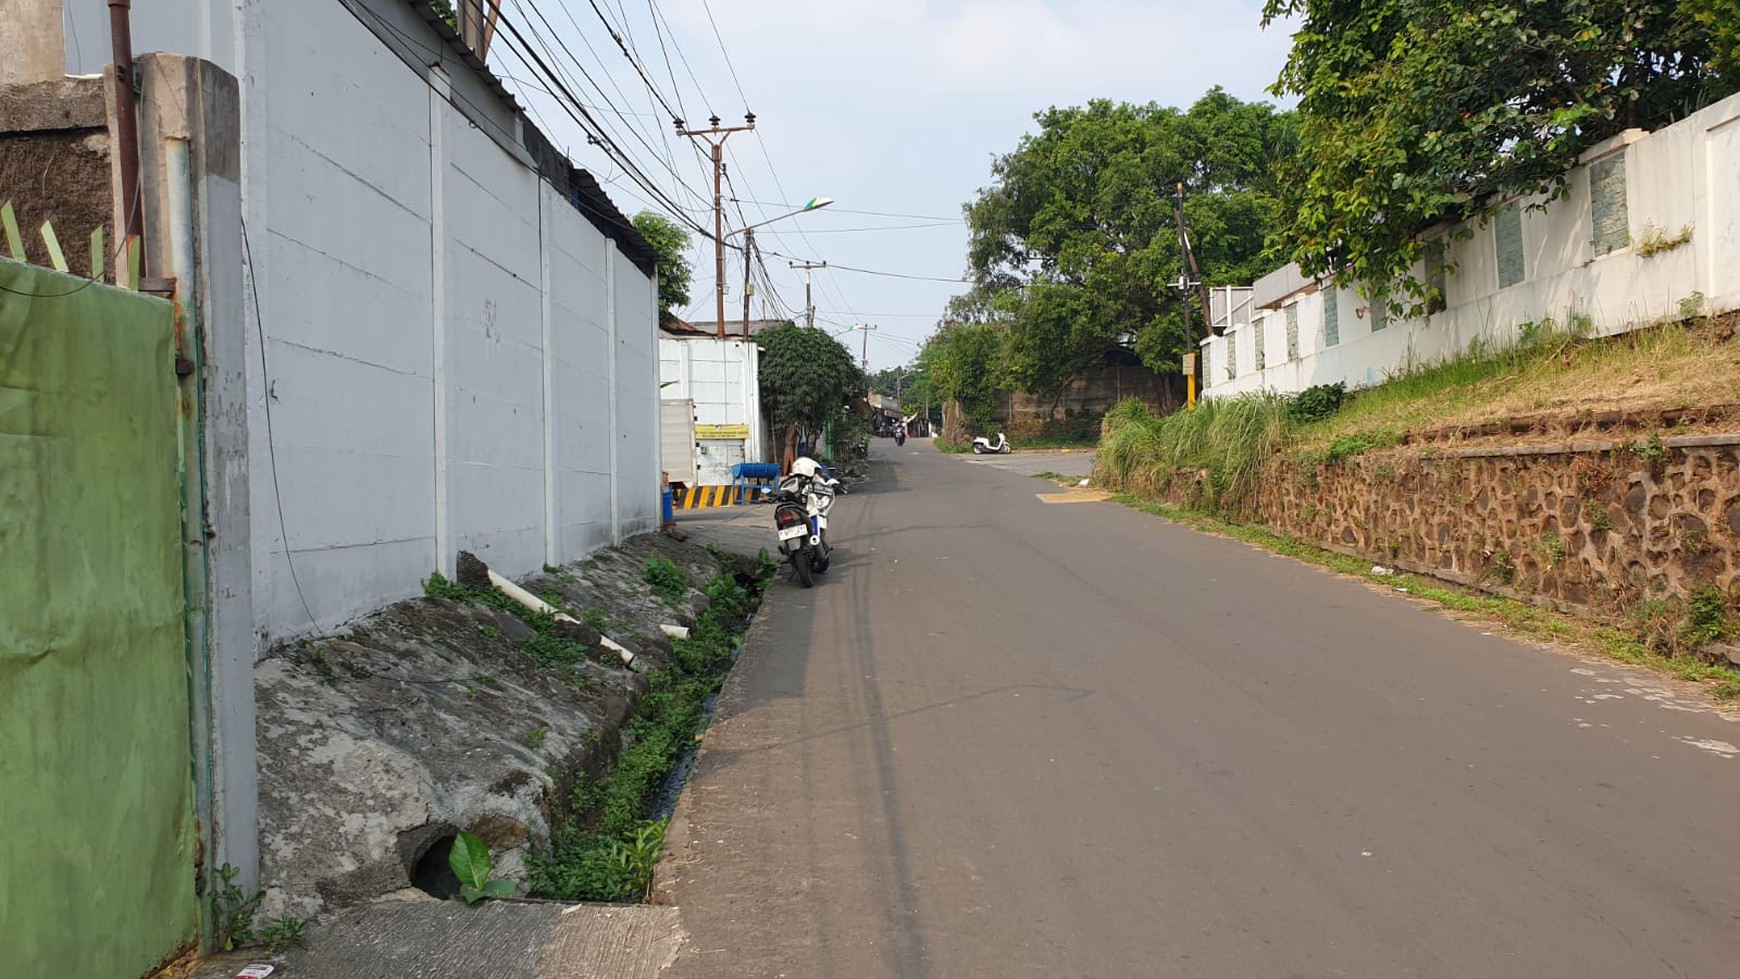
[716,137]
[748,233]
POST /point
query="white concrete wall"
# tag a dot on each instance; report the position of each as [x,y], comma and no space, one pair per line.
[723,377]
[456,358]
[1687,174]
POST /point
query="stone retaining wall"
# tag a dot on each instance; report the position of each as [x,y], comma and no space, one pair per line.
[1589,526]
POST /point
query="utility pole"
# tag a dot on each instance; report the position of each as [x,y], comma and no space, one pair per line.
[748,289]
[715,138]
[864,355]
[809,304]
[1190,277]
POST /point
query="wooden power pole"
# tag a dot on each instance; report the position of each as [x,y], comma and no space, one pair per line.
[715,137]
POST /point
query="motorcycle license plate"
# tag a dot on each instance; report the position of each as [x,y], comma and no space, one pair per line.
[791,533]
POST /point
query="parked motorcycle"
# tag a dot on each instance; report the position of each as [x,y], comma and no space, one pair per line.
[800,517]
[983,446]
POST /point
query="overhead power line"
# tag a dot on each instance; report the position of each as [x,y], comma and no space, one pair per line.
[877,214]
[665,161]
[891,275]
[590,125]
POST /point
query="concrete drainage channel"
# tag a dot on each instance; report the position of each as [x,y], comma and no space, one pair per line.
[560,736]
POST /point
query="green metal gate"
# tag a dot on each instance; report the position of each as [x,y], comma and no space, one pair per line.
[96,793]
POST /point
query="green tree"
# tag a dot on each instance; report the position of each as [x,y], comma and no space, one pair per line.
[670,243]
[1074,246]
[806,378]
[964,362]
[1415,112]
[1721,19]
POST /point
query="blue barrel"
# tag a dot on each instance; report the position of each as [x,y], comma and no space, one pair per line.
[670,512]
[755,470]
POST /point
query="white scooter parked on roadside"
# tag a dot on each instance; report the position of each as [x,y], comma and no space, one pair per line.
[983,445]
[800,515]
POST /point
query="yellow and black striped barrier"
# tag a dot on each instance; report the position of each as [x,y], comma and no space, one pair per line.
[699,497]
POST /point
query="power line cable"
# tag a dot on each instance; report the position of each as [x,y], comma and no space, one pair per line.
[885,227]
[589,124]
[878,214]
[633,130]
[482,118]
[676,90]
[271,441]
[632,60]
[891,275]
[728,65]
[598,60]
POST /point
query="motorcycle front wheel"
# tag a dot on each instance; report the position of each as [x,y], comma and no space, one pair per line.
[800,563]
[1007,449]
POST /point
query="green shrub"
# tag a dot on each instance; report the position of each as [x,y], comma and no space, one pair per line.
[1230,438]
[1317,402]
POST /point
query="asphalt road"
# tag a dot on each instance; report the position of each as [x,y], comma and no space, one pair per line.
[1009,738]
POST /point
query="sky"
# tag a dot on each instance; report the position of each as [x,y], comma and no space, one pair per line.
[894,108]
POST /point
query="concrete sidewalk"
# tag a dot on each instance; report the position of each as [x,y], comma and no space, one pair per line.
[432,939]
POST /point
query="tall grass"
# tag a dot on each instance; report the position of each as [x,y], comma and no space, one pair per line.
[1546,366]
[1228,439]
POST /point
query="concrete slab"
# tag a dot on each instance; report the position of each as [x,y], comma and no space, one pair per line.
[743,530]
[495,940]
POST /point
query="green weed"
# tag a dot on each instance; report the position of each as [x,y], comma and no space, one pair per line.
[1705,620]
[666,579]
[1657,240]
[283,933]
[232,910]
[472,864]
[604,847]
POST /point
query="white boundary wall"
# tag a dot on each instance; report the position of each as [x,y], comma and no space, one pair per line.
[457,359]
[1687,174]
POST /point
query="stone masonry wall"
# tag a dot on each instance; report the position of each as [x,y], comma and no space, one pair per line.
[1591,527]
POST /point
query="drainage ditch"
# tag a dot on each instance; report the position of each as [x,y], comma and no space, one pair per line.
[608,831]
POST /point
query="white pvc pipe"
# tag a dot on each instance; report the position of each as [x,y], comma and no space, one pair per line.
[674,631]
[537,604]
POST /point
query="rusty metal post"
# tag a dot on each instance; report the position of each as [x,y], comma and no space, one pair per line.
[126,117]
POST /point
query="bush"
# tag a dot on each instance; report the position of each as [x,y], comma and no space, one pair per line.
[1317,402]
[1125,412]
[1230,438]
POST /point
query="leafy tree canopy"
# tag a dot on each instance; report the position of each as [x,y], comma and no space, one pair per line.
[670,242]
[1074,246]
[1420,111]
[806,377]
[964,364]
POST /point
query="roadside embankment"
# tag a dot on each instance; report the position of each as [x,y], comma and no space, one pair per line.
[466,711]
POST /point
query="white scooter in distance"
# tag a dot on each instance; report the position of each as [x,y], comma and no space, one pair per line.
[983,445]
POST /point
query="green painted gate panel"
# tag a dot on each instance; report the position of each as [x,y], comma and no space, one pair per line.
[96,796]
